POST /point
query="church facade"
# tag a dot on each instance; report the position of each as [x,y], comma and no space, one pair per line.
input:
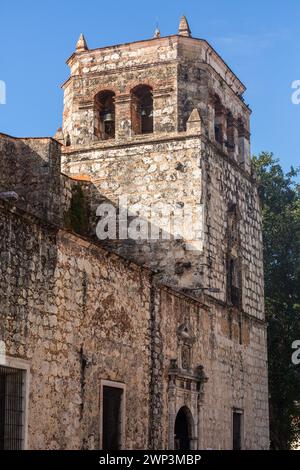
[131,270]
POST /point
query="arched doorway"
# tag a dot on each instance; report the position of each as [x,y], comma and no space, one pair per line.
[183,429]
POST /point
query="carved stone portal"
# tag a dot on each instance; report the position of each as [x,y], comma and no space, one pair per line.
[186,393]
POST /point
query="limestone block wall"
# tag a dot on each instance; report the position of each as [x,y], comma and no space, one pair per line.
[31,168]
[184,73]
[181,172]
[120,69]
[149,173]
[201,76]
[237,373]
[77,315]
[225,184]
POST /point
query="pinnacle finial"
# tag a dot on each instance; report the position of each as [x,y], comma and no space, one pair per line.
[81,44]
[184,29]
[194,123]
[157,32]
[59,136]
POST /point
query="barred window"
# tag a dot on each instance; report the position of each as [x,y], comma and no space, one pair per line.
[12,408]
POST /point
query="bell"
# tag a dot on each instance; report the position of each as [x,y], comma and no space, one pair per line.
[107,117]
[143,113]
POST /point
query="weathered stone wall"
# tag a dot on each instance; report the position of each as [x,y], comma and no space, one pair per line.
[155,173]
[31,168]
[188,171]
[65,303]
[237,373]
[78,315]
[224,184]
[199,79]
[184,73]
[169,166]
[120,69]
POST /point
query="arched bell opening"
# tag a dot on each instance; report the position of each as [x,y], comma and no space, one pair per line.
[142,109]
[105,115]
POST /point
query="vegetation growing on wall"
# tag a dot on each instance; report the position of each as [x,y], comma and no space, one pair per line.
[77,217]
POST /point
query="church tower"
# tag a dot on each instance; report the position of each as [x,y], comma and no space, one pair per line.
[165,346]
[161,125]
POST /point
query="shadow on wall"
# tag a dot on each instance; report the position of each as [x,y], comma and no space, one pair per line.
[31,168]
[30,171]
[30,192]
[159,237]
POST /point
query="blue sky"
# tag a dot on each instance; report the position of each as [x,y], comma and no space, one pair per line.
[259,40]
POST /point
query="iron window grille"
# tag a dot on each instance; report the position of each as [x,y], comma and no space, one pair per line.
[12,408]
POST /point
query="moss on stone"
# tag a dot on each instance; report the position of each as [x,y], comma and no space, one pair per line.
[77,217]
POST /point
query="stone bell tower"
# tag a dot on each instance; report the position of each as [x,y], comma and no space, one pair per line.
[163,123]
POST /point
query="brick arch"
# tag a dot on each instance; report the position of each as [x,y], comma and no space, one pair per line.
[105,89]
[214,99]
[134,84]
[90,97]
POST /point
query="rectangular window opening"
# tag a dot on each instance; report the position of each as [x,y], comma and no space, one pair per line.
[12,408]
[112,416]
[237,427]
[218,134]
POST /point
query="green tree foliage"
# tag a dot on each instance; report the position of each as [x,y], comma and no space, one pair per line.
[280,201]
